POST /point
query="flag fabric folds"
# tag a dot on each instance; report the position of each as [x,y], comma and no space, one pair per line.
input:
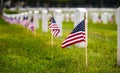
[76,36]
[54,27]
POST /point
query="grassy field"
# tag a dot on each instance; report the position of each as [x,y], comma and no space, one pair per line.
[22,52]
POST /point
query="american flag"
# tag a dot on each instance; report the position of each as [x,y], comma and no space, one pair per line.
[25,22]
[31,26]
[76,36]
[54,27]
[14,21]
[11,20]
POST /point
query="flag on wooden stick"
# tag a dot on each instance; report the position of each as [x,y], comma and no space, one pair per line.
[76,36]
[54,27]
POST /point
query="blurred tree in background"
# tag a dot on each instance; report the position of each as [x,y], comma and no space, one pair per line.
[1,7]
[58,3]
[61,3]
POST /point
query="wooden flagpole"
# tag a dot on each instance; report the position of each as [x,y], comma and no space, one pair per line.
[52,36]
[86,54]
[34,32]
[51,39]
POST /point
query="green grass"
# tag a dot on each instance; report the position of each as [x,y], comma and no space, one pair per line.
[22,52]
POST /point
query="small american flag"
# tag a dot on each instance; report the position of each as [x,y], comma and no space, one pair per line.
[25,22]
[54,27]
[31,25]
[76,36]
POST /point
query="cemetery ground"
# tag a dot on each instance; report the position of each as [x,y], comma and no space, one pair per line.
[22,52]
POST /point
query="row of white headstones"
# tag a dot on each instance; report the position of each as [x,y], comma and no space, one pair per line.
[104,17]
[45,16]
[78,17]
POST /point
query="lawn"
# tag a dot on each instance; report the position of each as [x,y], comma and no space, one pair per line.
[22,52]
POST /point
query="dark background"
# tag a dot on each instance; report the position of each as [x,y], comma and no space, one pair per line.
[64,3]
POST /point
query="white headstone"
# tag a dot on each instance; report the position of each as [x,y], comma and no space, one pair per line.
[36,19]
[79,16]
[104,18]
[49,15]
[63,17]
[95,17]
[21,16]
[18,17]
[39,16]
[30,15]
[67,17]
[110,17]
[118,37]
[72,17]
[26,14]
[44,20]
[59,18]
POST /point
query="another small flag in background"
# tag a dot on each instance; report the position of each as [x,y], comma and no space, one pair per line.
[31,26]
[76,36]
[54,27]
[25,22]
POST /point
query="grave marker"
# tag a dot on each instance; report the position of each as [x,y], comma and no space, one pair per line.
[36,19]
[21,17]
[95,17]
[30,15]
[72,17]
[104,18]
[67,17]
[59,18]
[44,20]
[118,36]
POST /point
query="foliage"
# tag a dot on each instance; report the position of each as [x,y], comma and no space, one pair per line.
[72,3]
[7,11]
[22,52]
